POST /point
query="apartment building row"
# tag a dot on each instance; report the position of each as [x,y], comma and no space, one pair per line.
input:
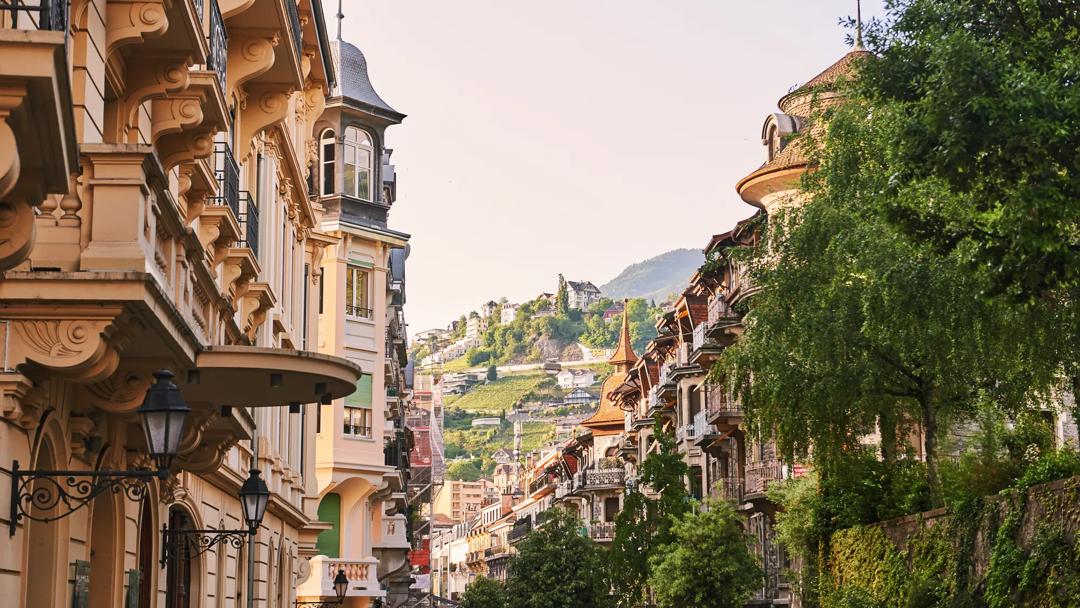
[204,370]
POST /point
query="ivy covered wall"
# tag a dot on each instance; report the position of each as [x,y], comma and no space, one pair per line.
[1020,548]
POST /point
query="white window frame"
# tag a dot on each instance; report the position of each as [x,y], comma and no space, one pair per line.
[358,302]
[358,142]
[327,142]
[354,422]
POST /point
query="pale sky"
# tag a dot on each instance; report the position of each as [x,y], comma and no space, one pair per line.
[574,136]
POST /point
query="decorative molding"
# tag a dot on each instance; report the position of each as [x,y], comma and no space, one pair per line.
[132,21]
[15,405]
[123,391]
[249,56]
[231,8]
[266,108]
[147,79]
[83,347]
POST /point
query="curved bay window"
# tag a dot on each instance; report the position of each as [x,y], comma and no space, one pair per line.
[326,162]
[357,162]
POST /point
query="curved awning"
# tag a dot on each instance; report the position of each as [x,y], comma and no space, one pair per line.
[251,376]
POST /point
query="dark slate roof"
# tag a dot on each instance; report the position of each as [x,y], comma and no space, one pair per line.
[352,76]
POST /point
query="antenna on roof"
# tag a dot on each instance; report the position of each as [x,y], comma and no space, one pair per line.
[340,16]
[858,25]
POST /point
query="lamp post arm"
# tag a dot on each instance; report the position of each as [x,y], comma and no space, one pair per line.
[67,491]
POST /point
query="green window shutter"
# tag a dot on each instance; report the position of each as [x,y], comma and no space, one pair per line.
[362,396]
[329,541]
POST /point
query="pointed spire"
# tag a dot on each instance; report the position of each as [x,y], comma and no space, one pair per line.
[340,17]
[858,25]
[624,353]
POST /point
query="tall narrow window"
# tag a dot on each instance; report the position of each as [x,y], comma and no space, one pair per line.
[327,161]
[357,422]
[359,153]
[356,292]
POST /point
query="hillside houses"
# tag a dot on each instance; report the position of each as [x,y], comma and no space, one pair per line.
[576,378]
[582,294]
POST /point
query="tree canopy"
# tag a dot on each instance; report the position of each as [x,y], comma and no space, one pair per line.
[484,593]
[986,112]
[645,523]
[708,564]
[557,567]
[859,326]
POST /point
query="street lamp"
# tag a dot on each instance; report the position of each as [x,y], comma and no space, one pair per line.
[164,416]
[341,587]
[254,496]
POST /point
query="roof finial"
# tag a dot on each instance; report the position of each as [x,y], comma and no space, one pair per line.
[858,25]
[340,16]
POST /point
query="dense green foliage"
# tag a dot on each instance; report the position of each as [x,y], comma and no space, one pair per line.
[708,564]
[557,567]
[648,515]
[484,593]
[985,110]
[864,325]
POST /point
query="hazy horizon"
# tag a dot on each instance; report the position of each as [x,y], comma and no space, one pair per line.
[574,137]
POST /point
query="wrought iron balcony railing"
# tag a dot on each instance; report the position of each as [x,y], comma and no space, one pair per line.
[219,44]
[602,531]
[727,488]
[249,222]
[294,24]
[760,475]
[701,425]
[358,311]
[594,478]
[199,7]
[50,15]
[227,173]
[720,403]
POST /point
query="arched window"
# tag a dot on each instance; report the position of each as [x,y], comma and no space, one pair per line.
[359,153]
[773,142]
[326,161]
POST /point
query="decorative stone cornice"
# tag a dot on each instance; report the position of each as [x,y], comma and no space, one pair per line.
[266,107]
[78,344]
[123,391]
[250,54]
[218,230]
[132,21]
[239,270]
[151,77]
[14,405]
[257,301]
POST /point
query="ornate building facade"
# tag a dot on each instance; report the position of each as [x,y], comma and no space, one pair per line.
[363,443]
[156,164]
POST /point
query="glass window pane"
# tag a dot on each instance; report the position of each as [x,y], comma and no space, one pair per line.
[365,186]
[350,180]
[363,158]
[350,134]
[349,286]
[328,151]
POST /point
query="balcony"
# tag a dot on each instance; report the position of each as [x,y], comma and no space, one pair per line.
[684,432]
[602,532]
[727,488]
[521,529]
[473,557]
[701,426]
[249,222]
[594,479]
[720,312]
[320,581]
[496,551]
[217,60]
[38,153]
[563,488]
[720,406]
[359,312]
[294,25]
[761,475]
[227,174]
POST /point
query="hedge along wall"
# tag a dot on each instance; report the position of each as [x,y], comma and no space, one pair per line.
[1020,548]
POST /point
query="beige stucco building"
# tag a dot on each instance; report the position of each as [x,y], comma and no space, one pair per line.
[156,158]
[362,442]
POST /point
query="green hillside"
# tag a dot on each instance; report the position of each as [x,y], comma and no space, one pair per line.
[496,397]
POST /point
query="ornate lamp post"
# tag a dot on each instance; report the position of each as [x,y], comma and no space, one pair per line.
[164,417]
[341,586]
[254,496]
